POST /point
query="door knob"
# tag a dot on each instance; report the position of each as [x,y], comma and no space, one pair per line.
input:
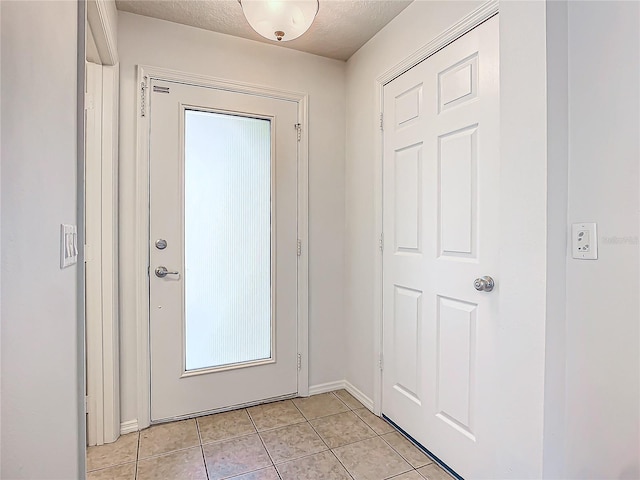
[162,272]
[484,284]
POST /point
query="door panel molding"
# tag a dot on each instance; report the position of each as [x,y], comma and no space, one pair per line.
[143,78]
[478,16]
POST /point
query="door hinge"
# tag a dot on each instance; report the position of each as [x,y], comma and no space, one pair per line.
[381,121]
[299,247]
[86,249]
[381,242]
[89,102]
[143,96]
[86,404]
[380,362]
[299,362]
[298,127]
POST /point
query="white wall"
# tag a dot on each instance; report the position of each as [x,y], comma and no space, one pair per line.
[41,366]
[154,42]
[602,349]
[414,27]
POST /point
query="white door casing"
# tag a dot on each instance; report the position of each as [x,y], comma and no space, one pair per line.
[93,264]
[100,255]
[174,392]
[101,230]
[441,231]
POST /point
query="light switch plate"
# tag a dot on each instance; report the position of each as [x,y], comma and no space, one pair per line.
[584,241]
[68,245]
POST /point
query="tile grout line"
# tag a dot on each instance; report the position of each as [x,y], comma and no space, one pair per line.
[204,459]
[298,408]
[393,429]
[135,472]
[222,440]
[164,454]
[111,465]
[306,420]
[322,416]
[348,443]
[273,464]
[340,462]
[330,450]
[349,409]
[403,457]
[345,403]
[376,433]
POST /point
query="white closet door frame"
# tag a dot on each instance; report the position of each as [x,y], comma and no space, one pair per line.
[144,75]
[465,25]
[101,249]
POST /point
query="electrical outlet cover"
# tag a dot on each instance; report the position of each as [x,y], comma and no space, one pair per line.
[584,241]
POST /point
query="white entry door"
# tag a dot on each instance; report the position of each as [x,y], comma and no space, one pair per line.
[441,233]
[223,249]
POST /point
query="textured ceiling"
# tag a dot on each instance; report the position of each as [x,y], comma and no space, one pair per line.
[339,30]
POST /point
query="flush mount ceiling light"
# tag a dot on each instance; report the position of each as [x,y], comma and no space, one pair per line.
[280,20]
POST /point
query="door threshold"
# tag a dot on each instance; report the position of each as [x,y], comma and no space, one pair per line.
[225,409]
[444,466]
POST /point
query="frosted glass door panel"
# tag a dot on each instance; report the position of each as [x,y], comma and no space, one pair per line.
[227,225]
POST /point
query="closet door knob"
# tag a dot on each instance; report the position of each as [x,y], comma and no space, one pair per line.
[484,284]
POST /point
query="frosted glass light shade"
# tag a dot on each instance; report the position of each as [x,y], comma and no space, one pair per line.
[280,20]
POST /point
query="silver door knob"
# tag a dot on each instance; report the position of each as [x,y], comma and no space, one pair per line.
[162,272]
[484,284]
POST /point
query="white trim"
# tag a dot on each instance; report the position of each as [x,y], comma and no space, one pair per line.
[166,74]
[99,15]
[465,25]
[110,306]
[303,236]
[141,264]
[101,204]
[144,75]
[102,355]
[129,427]
[93,254]
[342,385]
[358,395]
[326,387]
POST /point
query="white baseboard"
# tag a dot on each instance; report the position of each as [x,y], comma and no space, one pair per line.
[129,427]
[361,397]
[326,387]
[339,385]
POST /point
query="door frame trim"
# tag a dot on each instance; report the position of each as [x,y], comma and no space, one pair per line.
[478,16]
[144,74]
[102,357]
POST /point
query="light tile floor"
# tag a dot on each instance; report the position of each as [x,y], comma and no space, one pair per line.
[329,436]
